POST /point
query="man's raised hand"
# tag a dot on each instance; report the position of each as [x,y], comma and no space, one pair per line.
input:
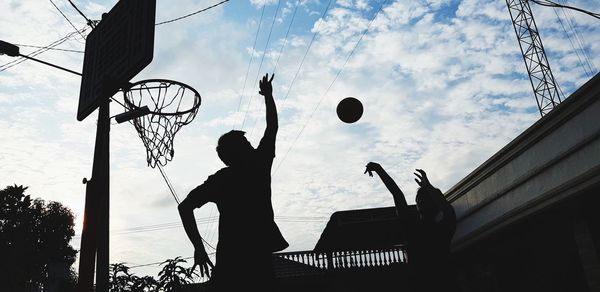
[266,89]
[201,260]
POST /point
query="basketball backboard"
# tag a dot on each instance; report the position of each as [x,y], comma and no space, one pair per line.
[116,50]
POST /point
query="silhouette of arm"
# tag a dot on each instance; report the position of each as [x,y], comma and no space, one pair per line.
[390,184]
[266,90]
[195,199]
[186,212]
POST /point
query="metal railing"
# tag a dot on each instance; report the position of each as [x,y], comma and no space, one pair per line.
[311,262]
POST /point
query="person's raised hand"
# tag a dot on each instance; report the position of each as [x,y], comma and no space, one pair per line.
[372,166]
[266,88]
[202,261]
[422,179]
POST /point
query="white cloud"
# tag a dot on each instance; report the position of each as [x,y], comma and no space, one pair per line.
[440,93]
[260,3]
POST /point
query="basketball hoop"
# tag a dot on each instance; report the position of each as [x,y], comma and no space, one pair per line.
[171,105]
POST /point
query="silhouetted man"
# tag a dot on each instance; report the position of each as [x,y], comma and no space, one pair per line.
[429,235]
[242,192]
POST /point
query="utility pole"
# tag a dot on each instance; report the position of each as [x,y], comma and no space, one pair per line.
[542,81]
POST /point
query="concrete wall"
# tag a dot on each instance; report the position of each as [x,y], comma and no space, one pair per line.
[556,158]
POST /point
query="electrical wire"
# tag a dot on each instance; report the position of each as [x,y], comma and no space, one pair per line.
[205,220]
[306,53]
[87,20]
[549,3]
[209,227]
[280,53]
[36,52]
[261,63]
[286,37]
[191,14]
[582,45]
[175,196]
[329,87]
[560,21]
[20,60]
[164,175]
[69,21]
[251,58]
[158,263]
[54,49]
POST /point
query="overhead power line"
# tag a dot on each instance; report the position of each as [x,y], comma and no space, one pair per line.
[251,58]
[306,52]
[330,86]
[54,49]
[549,3]
[580,40]
[193,13]
[286,36]
[158,263]
[87,20]
[20,60]
[205,220]
[260,65]
[169,184]
[69,21]
[281,51]
[575,49]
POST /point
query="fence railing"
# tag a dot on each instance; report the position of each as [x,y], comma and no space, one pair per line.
[311,262]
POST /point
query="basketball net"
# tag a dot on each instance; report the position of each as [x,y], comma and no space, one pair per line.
[172,105]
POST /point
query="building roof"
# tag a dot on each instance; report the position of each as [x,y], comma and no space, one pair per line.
[363,229]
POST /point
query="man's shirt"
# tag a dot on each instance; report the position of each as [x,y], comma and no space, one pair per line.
[243,196]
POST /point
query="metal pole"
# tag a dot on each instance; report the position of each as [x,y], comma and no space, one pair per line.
[102,257]
[94,252]
[87,251]
[50,64]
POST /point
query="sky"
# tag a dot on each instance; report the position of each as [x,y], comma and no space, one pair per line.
[443,86]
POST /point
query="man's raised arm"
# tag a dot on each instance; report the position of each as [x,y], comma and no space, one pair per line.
[266,90]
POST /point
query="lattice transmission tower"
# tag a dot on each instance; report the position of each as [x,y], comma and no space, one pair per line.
[544,86]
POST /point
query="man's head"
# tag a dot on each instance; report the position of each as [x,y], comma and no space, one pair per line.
[233,147]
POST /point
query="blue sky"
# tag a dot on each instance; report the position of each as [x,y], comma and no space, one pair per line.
[443,85]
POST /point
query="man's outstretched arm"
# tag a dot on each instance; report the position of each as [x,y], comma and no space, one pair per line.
[266,90]
[186,212]
[390,184]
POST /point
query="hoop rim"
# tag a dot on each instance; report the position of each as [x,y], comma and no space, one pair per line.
[169,82]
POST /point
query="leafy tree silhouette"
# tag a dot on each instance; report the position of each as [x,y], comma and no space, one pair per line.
[121,280]
[144,284]
[173,276]
[34,242]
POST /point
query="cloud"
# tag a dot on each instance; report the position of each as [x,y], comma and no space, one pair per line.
[260,3]
[442,82]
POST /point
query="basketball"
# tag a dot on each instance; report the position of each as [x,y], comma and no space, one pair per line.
[349,110]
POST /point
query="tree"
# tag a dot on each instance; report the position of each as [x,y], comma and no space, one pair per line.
[173,276]
[121,280]
[144,284]
[34,242]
